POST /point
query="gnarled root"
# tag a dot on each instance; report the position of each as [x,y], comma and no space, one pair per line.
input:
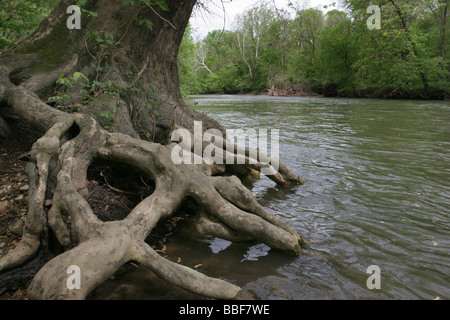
[226,208]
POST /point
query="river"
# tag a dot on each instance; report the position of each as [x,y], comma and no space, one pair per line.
[376,193]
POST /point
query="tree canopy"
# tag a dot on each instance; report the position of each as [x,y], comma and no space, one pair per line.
[407,57]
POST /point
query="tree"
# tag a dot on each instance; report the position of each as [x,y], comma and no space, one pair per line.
[224,59]
[187,70]
[401,59]
[444,10]
[309,24]
[339,49]
[252,28]
[109,93]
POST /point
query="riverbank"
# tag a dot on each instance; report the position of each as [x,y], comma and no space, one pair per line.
[332,91]
[292,91]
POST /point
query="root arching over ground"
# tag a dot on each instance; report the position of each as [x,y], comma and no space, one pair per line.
[71,142]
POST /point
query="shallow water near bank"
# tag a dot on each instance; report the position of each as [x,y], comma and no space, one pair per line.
[377,192]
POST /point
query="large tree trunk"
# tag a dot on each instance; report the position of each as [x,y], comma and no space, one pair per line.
[129,121]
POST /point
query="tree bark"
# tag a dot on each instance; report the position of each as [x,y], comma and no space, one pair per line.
[445,5]
[130,121]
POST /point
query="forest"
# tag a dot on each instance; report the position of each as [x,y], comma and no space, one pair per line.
[304,51]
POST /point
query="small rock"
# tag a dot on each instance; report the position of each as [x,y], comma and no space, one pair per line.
[5,191]
[4,205]
[16,227]
[25,188]
[19,198]
[2,245]
[22,177]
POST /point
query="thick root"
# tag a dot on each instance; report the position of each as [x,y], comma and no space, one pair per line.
[185,277]
[98,249]
[97,259]
[226,209]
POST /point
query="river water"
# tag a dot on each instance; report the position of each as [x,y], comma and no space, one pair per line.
[377,192]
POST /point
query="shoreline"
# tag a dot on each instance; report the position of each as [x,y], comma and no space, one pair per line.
[300,91]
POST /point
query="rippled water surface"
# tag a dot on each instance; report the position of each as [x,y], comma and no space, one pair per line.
[377,192]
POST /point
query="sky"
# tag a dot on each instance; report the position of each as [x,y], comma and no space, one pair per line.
[204,22]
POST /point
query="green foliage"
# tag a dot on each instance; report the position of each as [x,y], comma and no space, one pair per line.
[81,4]
[18,18]
[65,82]
[403,55]
[339,48]
[188,77]
[267,47]
[104,43]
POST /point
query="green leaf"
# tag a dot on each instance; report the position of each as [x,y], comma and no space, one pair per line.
[78,75]
[149,24]
[60,78]
[162,4]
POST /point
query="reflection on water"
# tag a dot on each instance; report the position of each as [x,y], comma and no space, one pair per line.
[377,192]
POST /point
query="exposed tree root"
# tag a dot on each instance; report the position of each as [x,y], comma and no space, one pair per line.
[58,166]
[103,247]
